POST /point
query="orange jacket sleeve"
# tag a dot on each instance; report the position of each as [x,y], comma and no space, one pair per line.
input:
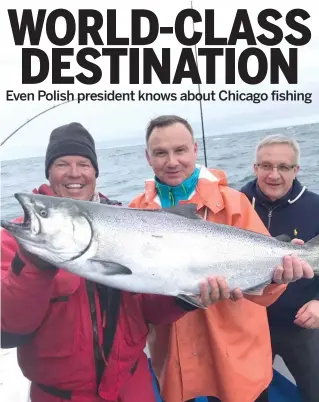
[136,202]
[248,219]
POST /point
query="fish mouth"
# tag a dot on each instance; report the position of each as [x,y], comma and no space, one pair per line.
[30,224]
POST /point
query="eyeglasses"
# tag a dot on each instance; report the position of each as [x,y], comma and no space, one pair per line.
[282,168]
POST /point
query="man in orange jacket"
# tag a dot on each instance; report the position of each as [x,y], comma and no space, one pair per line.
[224,351]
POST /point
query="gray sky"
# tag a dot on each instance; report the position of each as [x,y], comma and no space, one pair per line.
[121,123]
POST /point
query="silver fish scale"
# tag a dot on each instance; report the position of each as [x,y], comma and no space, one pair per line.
[171,254]
[154,251]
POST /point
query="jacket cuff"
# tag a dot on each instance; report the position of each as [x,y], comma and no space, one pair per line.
[22,257]
[9,340]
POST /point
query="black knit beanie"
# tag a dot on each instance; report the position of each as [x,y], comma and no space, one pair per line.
[70,139]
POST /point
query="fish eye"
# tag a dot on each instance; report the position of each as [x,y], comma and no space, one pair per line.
[43,213]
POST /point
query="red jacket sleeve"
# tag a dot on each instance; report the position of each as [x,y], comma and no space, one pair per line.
[25,289]
[160,309]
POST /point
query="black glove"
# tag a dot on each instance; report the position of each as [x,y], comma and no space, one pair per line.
[34,259]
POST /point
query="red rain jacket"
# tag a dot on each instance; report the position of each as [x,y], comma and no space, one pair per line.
[58,323]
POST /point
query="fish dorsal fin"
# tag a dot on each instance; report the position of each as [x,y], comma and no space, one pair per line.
[186,210]
[283,237]
[314,241]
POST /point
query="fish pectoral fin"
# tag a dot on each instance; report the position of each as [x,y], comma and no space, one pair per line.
[186,210]
[191,300]
[112,268]
[257,290]
[314,241]
[283,237]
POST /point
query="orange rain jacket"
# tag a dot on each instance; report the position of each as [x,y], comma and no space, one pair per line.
[224,351]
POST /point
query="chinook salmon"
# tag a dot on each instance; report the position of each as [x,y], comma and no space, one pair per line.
[167,251]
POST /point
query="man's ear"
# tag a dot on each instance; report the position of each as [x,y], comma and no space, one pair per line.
[195,148]
[147,156]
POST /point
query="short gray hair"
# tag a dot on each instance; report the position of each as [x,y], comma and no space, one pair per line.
[279,139]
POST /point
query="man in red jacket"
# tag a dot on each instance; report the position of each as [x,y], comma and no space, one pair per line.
[78,341]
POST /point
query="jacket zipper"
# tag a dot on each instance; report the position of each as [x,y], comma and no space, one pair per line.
[270,211]
[171,197]
[96,347]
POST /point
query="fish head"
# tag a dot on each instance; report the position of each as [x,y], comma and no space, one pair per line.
[54,228]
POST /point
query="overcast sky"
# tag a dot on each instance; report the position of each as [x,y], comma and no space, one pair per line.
[122,122]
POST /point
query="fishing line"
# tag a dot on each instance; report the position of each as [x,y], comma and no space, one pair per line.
[34,117]
[63,103]
[200,100]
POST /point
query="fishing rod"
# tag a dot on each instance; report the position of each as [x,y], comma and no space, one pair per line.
[34,117]
[200,100]
[71,100]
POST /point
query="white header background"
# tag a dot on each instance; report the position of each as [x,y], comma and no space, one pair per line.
[123,123]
